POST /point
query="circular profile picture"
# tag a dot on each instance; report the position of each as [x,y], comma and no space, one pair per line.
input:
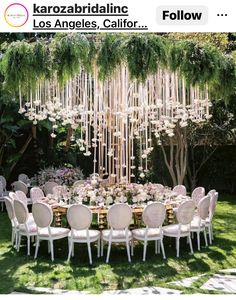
[16,15]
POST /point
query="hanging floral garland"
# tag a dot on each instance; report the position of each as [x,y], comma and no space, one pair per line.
[118,89]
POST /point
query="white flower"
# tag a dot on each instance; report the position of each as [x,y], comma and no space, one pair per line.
[21,110]
[87,153]
[183,124]
[109,200]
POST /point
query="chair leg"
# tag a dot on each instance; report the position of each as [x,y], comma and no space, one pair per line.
[101,246]
[187,241]
[128,251]
[13,236]
[99,242]
[177,247]
[205,237]
[162,248]
[28,245]
[73,249]
[144,250]
[159,247]
[89,253]
[36,248]
[212,237]
[209,233]
[190,244]
[132,247]
[198,241]
[49,247]
[70,249]
[108,251]
[19,243]
[52,251]
[16,238]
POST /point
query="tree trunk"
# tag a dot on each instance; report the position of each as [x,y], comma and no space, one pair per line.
[21,152]
[176,163]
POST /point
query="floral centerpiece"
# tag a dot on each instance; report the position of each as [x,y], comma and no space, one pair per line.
[134,194]
[65,175]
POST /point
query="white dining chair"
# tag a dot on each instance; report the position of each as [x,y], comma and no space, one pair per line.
[43,217]
[209,221]
[60,190]
[197,194]
[27,226]
[198,223]
[36,194]
[180,190]
[78,183]
[3,190]
[48,187]
[12,218]
[22,197]
[184,216]
[24,178]
[160,187]
[153,217]
[20,186]
[4,183]
[118,217]
[12,196]
[79,218]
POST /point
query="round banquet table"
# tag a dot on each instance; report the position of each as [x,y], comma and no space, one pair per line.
[101,212]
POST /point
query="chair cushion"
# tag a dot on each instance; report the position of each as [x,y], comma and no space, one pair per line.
[82,234]
[116,234]
[31,218]
[173,229]
[31,227]
[55,232]
[151,233]
[195,223]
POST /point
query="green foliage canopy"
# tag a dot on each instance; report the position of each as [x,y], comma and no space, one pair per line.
[23,62]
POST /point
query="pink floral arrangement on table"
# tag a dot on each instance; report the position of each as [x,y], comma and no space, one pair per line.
[134,194]
[63,175]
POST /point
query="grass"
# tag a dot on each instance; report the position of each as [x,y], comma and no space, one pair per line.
[18,272]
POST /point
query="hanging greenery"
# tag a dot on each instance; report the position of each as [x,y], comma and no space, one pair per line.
[224,85]
[69,52]
[23,63]
[42,59]
[144,53]
[90,57]
[199,64]
[17,65]
[110,55]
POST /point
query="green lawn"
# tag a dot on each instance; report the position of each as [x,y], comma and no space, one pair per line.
[19,272]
